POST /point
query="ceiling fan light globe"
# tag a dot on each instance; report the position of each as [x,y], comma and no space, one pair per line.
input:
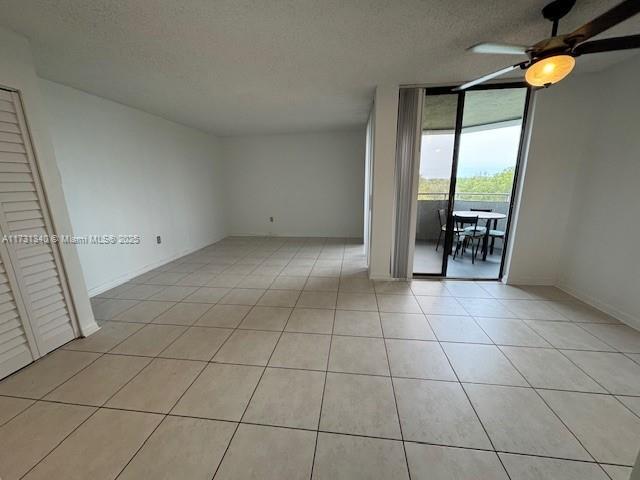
[549,70]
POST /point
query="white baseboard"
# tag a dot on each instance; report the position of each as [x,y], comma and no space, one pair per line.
[92,328]
[383,278]
[135,273]
[607,308]
[516,280]
[294,235]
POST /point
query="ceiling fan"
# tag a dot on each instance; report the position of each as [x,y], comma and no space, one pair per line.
[552,59]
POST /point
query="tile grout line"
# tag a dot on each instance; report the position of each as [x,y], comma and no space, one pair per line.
[250,398]
[18,413]
[96,410]
[238,262]
[324,388]
[466,394]
[351,434]
[171,408]
[492,342]
[326,374]
[93,413]
[337,372]
[553,347]
[395,398]
[502,344]
[246,407]
[61,441]
[545,402]
[608,392]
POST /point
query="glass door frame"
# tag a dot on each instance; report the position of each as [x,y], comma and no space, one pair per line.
[448,237]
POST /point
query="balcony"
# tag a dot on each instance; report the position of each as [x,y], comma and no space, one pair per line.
[428,260]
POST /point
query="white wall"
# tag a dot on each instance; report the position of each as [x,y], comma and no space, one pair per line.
[581,190]
[312,184]
[600,261]
[17,71]
[559,133]
[127,172]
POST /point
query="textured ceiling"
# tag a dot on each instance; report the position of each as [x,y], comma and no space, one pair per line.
[239,66]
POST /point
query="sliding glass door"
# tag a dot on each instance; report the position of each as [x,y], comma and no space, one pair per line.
[471,144]
[437,149]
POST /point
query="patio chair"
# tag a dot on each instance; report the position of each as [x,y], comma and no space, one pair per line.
[481,228]
[467,235]
[442,219]
[493,232]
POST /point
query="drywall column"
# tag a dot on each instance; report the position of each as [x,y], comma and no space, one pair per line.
[559,138]
[17,72]
[599,261]
[384,154]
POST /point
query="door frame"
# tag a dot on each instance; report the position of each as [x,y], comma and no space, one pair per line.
[41,193]
[368,182]
[46,215]
[448,238]
[524,131]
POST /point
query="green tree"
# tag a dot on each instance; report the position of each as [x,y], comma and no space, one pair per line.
[498,183]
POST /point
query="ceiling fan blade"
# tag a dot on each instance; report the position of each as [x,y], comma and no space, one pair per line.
[616,15]
[608,45]
[488,77]
[498,48]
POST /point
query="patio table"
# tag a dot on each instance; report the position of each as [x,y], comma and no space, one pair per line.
[488,216]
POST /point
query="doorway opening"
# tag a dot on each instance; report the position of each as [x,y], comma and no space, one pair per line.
[470,152]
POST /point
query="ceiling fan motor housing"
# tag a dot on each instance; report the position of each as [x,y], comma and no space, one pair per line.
[554,11]
[550,47]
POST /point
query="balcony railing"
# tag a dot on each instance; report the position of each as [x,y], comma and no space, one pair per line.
[471,196]
[428,225]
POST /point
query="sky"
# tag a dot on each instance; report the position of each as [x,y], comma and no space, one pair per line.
[481,152]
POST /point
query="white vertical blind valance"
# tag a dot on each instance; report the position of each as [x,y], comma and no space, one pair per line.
[407,165]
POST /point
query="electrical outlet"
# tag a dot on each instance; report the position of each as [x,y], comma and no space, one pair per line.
[158,239]
[271,219]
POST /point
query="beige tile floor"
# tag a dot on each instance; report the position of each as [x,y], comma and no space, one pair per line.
[278,359]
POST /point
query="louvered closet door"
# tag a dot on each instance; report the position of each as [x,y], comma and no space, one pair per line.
[17,345]
[36,267]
